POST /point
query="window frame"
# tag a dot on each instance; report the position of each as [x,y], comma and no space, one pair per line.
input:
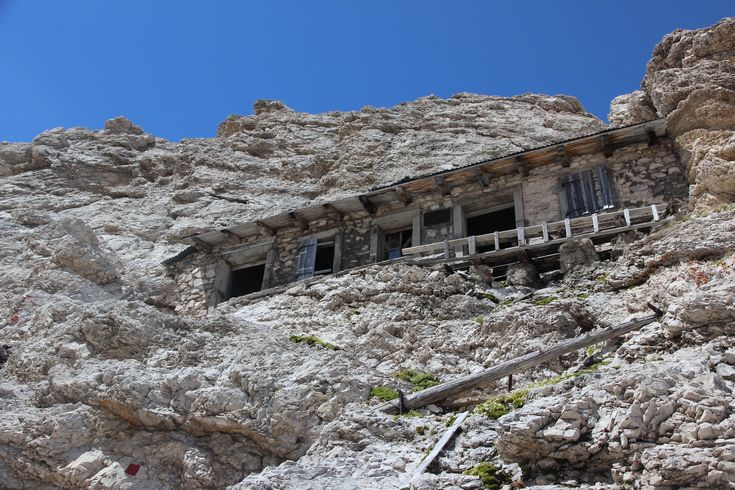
[332,235]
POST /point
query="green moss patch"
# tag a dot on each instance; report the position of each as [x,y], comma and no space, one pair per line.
[492,477]
[499,405]
[490,296]
[385,393]
[419,380]
[312,340]
[410,413]
[545,300]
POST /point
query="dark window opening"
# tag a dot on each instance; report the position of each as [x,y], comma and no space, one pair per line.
[482,224]
[394,241]
[433,218]
[324,260]
[246,280]
[587,192]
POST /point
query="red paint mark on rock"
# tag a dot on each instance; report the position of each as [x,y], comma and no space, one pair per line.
[14,318]
[132,469]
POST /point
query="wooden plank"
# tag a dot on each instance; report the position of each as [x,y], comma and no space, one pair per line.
[521,236]
[626,213]
[446,249]
[496,235]
[654,212]
[545,231]
[202,245]
[595,223]
[439,447]
[465,383]
[568,228]
[472,245]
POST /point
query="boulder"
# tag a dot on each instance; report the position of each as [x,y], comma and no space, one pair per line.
[577,253]
[522,274]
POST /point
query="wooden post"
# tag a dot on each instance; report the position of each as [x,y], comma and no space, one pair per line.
[465,383]
[497,241]
[510,383]
[626,213]
[654,212]
[446,249]
[595,223]
[568,228]
[472,245]
[545,231]
[521,231]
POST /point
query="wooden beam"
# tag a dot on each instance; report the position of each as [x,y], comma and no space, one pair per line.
[367,204]
[229,233]
[461,385]
[651,136]
[448,435]
[202,245]
[482,177]
[298,220]
[404,195]
[522,166]
[265,228]
[441,184]
[563,156]
[605,146]
[333,211]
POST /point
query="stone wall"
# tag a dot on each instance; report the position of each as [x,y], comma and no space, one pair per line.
[641,175]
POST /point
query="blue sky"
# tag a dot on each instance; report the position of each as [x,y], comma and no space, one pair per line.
[178,68]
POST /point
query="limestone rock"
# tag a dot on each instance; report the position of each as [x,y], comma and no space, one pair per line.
[75,247]
[632,108]
[105,371]
[577,253]
[690,80]
[522,274]
[122,125]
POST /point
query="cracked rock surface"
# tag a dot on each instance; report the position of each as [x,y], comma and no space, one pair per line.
[103,386]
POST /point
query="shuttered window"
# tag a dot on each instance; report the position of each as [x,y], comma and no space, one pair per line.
[307,258]
[587,192]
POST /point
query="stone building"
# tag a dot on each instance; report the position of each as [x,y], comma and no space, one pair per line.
[614,169]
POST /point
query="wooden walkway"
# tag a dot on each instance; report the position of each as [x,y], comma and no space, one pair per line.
[543,237]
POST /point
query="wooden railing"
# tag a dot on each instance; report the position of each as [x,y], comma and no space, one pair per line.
[585,226]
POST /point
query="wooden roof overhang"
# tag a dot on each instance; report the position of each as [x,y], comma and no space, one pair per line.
[481,172]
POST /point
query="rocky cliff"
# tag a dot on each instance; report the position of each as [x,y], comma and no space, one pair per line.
[690,81]
[103,386]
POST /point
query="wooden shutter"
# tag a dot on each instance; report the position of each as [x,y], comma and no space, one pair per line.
[606,196]
[221,290]
[307,258]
